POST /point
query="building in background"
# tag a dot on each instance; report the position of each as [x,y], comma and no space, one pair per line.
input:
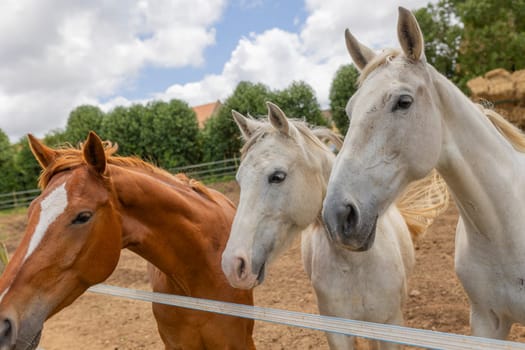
[206,111]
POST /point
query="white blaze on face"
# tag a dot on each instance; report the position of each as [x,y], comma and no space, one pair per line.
[50,208]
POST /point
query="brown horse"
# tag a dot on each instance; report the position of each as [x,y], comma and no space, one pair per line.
[92,205]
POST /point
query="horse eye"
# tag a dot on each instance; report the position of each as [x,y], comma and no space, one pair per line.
[82,218]
[404,102]
[277,177]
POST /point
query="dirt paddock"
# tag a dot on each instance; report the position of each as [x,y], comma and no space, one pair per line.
[94,322]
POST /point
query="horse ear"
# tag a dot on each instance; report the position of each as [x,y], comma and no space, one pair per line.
[94,154]
[278,118]
[43,154]
[246,125]
[410,36]
[360,54]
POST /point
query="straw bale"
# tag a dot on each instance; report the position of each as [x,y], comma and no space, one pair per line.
[501,86]
[497,73]
[518,77]
[517,116]
[479,87]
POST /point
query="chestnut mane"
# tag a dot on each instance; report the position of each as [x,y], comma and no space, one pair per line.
[68,158]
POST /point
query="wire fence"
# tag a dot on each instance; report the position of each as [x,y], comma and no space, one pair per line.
[209,172]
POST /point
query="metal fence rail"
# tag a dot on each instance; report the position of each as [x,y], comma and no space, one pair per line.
[211,171]
[385,332]
[17,199]
[207,172]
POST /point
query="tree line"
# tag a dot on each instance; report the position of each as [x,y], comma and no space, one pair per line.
[463,39]
[164,133]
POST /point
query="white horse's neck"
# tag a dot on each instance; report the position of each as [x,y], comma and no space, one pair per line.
[479,164]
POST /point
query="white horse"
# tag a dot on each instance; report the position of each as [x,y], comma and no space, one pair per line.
[283,177]
[406,119]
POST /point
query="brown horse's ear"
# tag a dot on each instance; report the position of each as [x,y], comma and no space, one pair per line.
[94,154]
[360,54]
[43,154]
[278,118]
[410,36]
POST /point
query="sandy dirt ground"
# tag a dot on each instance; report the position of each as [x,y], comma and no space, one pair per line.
[436,300]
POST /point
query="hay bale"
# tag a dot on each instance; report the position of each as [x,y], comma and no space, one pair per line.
[479,87]
[517,116]
[518,77]
[501,86]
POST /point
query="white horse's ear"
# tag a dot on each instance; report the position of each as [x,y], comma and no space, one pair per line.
[278,118]
[409,35]
[360,54]
[246,125]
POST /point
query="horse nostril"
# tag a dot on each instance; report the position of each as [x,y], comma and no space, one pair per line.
[351,218]
[240,268]
[7,336]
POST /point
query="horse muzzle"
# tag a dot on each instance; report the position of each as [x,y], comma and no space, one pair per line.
[348,227]
[15,335]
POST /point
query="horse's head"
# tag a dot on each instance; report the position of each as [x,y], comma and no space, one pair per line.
[71,242]
[281,194]
[394,137]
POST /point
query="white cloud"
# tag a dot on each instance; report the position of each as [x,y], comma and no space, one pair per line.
[277,58]
[57,54]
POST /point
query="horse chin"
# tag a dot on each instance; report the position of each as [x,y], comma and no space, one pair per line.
[31,344]
[361,242]
[261,274]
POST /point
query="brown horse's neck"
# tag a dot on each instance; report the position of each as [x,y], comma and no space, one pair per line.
[178,229]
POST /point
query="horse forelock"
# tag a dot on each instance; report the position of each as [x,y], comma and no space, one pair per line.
[385,57]
[299,126]
[70,158]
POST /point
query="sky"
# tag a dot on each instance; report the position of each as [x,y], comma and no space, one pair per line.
[58,54]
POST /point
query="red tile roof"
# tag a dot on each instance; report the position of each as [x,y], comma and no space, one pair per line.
[204,112]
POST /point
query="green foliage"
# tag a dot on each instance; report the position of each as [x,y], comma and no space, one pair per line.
[27,168]
[467,38]
[298,101]
[343,87]
[165,133]
[494,36]
[171,134]
[7,164]
[442,35]
[221,137]
[124,125]
[81,121]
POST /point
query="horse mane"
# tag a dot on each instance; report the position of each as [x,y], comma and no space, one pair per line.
[325,134]
[314,135]
[68,158]
[386,56]
[514,135]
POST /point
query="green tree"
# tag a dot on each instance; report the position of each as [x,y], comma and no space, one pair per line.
[298,101]
[493,37]
[81,121]
[7,164]
[344,85]
[124,125]
[442,34]
[27,168]
[221,136]
[172,134]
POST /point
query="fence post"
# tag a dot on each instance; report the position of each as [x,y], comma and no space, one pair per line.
[15,204]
